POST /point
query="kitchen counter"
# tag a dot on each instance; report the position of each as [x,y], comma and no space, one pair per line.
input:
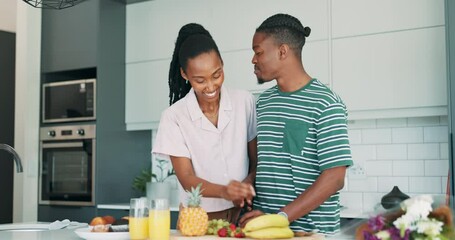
[344,211]
[69,234]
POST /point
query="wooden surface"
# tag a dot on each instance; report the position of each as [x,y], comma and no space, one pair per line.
[175,235]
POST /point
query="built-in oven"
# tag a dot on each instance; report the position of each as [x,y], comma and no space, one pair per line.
[67,165]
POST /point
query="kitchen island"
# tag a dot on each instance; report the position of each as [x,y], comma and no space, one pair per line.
[69,234]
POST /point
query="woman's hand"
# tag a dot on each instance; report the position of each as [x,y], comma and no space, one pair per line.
[248,217]
[239,192]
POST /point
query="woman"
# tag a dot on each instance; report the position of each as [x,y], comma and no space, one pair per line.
[209,131]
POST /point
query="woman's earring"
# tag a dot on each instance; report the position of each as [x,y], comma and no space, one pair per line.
[187,81]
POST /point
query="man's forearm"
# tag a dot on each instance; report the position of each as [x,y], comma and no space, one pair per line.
[328,183]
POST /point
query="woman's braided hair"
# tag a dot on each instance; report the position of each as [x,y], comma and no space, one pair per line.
[178,86]
[286,29]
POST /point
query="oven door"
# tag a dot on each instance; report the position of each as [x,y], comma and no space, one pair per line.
[67,172]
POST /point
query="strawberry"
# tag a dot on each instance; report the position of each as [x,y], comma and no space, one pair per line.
[239,235]
[222,232]
[232,227]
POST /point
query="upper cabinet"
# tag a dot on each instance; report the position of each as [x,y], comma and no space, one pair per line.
[389,57]
[69,38]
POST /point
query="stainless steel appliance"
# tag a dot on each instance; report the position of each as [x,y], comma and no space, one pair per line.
[67,165]
[69,101]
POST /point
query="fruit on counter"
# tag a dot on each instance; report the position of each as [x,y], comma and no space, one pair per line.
[193,220]
[266,221]
[109,219]
[230,231]
[215,225]
[97,221]
[271,233]
[106,224]
[102,220]
[222,232]
[269,226]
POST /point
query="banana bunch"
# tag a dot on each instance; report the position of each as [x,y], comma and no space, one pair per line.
[270,226]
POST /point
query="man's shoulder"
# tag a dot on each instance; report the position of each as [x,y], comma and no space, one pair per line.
[321,92]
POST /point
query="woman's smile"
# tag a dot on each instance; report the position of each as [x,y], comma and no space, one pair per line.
[212,94]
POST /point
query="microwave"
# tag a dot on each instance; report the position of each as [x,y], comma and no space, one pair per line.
[69,101]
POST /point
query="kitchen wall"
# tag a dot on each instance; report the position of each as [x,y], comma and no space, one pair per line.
[411,153]
[8,15]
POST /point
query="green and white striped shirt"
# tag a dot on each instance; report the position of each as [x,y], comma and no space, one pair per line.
[300,134]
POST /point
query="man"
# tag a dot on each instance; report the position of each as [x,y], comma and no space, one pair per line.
[303,146]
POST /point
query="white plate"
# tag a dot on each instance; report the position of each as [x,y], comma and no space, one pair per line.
[85,233]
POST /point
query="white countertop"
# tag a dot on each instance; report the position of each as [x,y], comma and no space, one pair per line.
[34,232]
[69,234]
[344,212]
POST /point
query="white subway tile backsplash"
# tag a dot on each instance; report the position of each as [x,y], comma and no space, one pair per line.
[372,202]
[423,121]
[351,200]
[408,168]
[362,153]
[436,134]
[392,151]
[385,184]
[437,168]
[378,168]
[357,124]
[411,153]
[425,184]
[355,136]
[376,136]
[439,199]
[391,122]
[444,150]
[423,151]
[370,184]
[407,135]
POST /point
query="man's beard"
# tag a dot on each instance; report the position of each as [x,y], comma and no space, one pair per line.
[261,81]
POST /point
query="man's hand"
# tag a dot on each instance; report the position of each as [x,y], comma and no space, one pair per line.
[248,217]
[239,192]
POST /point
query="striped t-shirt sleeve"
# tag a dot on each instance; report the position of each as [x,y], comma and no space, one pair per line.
[332,137]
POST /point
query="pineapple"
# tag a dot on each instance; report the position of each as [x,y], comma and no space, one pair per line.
[193,220]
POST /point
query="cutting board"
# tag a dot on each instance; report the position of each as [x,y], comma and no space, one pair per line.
[175,235]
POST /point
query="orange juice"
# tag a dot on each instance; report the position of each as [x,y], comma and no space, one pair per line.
[138,228]
[159,224]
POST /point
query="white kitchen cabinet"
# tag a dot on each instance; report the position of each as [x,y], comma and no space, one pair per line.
[393,71]
[360,17]
[147,94]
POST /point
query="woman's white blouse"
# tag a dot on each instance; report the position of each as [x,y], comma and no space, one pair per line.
[218,154]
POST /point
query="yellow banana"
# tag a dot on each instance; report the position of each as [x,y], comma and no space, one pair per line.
[271,233]
[266,221]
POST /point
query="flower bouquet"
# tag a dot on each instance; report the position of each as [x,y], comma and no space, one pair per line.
[416,219]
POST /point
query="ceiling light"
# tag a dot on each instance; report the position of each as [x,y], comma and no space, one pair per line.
[53,4]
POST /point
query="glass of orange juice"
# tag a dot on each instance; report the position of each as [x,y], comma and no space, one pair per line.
[138,220]
[159,219]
